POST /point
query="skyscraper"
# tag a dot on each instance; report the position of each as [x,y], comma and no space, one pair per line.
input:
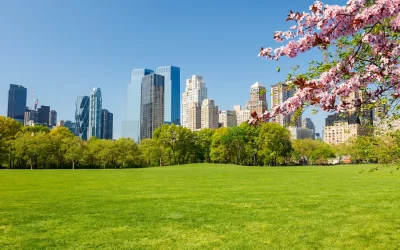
[106,124]
[44,115]
[53,118]
[209,114]
[152,105]
[130,127]
[31,117]
[172,92]
[279,94]
[242,114]
[16,102]
[307,123]
[194,116]
[258,98]
[195,91]
[82,116]
[95,114]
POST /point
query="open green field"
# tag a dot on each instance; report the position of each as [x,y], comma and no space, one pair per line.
[201,207]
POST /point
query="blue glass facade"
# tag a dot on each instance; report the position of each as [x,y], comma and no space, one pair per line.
[95,114]
[16,102]
[172,93]
[131,126]
[82,116]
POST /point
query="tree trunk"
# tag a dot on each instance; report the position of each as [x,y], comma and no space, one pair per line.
[73,164]
[30,161]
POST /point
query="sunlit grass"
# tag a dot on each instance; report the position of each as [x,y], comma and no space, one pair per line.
[201,206]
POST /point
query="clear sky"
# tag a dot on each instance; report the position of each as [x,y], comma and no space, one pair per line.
[63,49]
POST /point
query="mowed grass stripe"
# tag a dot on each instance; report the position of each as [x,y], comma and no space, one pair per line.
[201,206]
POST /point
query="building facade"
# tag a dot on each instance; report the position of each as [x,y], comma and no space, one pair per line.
[16,102]
[258,98]
[68,124]
[82,116]
[106,124]
[53,118]
[44,115]
[152,105]
[308,123]
[301,133]
[31,117]
[95,106]
[209,114]
[339,128]
[172,93]
[194,116]
[279,94]
[227,118]
[130,126]
[195,91]
[243,114]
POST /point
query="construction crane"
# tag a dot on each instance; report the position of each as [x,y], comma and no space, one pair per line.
[35,99]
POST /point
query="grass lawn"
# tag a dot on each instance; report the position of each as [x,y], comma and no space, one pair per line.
[201,206]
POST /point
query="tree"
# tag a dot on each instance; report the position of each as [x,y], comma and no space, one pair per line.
[152,152]
[32,148]
[8,130]
[204,140]
[218,151]
[275,143]
[365,35]
[234,141]
[73,149]
[127,153]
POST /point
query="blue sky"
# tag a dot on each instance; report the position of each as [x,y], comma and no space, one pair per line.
[63,49]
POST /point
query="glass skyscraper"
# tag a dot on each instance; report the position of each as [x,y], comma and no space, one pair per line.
[130,127]
[172,92]
[152,101]
[106,124]
[95,107]
[16,102]
[82,116]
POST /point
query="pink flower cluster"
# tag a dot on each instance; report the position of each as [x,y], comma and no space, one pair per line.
[323,26]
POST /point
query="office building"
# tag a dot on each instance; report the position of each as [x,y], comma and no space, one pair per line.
[243,114]
[53,118]
[209,114]
[152,105]
[31,117]
[106,124]
[308,123]
[130,127]
[195,91]
[258,98]
[227,118]
[279,94]
[68,124]
[16,102]
[95,106]
[301,133]
[44,115]
[82,116]
[172,93]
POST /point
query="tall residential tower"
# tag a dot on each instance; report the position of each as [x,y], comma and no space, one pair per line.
[195,92]
[82,116]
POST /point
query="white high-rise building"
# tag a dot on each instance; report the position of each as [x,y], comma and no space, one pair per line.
[227,118]
[95,106]
[196,92]
[209,114]
[194,116]
[243,114]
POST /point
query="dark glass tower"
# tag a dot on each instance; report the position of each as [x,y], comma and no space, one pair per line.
[82,116]
[106,124]
[44,115]
[16,102]
[152,105]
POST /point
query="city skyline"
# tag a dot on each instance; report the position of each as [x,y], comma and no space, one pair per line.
[84,53]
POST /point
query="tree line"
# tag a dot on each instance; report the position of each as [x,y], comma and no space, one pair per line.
[268,144]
